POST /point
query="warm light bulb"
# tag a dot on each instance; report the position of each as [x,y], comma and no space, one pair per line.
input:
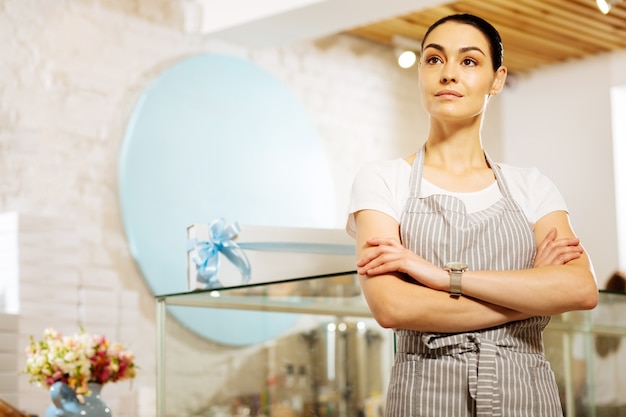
[407,59]
[604,6]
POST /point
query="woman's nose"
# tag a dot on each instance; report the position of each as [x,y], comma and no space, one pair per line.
[448,73]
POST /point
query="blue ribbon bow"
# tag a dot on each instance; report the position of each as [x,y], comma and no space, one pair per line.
[206,252]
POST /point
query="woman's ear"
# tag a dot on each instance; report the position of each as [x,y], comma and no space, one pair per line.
[498,83]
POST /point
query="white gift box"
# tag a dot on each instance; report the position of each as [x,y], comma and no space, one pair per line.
[270,253]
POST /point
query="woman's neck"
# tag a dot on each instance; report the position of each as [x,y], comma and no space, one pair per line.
[454,158]
[455,144]
[455,154]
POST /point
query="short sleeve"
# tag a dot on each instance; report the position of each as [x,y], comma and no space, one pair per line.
[536,193]
[375,187]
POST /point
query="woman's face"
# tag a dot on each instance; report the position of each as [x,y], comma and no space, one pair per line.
[456,75]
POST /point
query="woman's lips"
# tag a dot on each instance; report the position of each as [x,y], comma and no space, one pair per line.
[448,93]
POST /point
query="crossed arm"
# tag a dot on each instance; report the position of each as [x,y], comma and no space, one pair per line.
[561,280]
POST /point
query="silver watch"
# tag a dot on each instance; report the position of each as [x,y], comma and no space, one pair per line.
[455,269]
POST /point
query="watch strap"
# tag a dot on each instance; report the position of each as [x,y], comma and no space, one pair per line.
[455,282]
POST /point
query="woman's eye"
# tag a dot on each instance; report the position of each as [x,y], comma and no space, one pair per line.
[469,62]
[433,60]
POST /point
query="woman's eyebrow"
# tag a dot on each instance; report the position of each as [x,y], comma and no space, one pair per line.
[471,48]
[462,50]
[436,46]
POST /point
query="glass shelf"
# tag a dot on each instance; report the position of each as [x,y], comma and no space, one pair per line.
[331,294]
[571,341]
[321,299]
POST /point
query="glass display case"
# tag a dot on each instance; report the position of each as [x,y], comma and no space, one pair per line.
[587,350]
[329,359]
[332,359]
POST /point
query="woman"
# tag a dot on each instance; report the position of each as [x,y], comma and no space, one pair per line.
[447,255]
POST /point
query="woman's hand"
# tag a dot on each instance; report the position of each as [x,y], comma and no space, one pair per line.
[387,255]
[553,251]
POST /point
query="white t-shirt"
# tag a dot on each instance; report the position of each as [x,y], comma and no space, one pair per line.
[384,186]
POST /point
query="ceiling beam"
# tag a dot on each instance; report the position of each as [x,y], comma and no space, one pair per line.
[236,22]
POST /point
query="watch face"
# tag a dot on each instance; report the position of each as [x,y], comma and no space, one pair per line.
[456,266]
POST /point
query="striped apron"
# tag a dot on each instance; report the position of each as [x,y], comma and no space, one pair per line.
[499,371]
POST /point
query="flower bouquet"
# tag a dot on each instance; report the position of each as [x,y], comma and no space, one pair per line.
[77,360]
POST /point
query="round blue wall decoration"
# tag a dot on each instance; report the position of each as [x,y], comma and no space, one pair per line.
[217,136]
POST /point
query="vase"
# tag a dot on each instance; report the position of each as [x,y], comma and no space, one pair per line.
[65,403]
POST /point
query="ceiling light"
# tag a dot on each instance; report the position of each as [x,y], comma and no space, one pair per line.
[605,5]
[407,50]
[407,59]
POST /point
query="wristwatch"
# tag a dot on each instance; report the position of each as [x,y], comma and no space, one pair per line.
[456,270]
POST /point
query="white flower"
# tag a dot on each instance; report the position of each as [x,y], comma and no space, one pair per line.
[69,356]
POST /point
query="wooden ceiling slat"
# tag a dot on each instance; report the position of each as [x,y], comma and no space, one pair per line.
[512,61]
[541,18]
[405,28]
[574,17]
[371,33]
[535,32]
[551,50]
[512,36]
[587,8]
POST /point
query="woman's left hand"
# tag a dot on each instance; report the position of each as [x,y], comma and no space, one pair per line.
[387,255]
[553,251]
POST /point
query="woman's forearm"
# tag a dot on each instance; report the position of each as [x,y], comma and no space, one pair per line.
[547,290]
[560,283]
[399,304]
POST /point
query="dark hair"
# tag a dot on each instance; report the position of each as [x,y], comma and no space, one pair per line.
[487,29]
[616,282]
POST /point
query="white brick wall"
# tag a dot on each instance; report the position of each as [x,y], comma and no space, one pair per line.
[9,357]
[70,75]
[9,273]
